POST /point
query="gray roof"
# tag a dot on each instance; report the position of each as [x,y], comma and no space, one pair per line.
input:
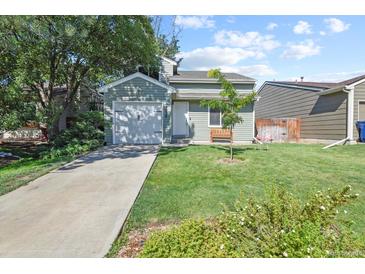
[321,85]
[199,75]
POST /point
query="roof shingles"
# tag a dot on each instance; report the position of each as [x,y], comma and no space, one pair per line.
[203,75]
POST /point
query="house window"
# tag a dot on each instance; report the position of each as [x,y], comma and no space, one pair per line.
[215,118]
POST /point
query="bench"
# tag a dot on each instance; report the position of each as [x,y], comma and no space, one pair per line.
[220,134]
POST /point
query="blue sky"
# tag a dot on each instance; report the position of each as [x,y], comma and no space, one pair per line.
[320,48]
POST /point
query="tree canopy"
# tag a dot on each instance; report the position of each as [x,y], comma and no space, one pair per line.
[41,53]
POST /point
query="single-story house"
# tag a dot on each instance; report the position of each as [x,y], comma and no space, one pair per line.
[143,110]
[328,111]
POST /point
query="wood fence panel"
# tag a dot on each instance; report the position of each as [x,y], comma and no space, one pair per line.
[278,130]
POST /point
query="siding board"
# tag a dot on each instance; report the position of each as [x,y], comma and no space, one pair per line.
[199,130]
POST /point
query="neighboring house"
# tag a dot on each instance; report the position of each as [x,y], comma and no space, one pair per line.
[328,111]
[143,110]
[88,100]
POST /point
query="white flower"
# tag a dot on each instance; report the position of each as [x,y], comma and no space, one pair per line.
[357,194]
[322,208]
[282,231]
[285,254]
[345,211]
[222,246]
[241,223]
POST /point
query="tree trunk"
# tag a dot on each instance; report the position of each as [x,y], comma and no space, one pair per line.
[53,130]
[231,144]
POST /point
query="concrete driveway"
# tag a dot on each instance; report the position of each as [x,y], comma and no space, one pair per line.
[77,210]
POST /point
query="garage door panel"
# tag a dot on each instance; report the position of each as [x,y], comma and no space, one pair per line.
[138,123]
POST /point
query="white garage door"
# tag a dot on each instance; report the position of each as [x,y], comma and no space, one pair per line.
[137,123]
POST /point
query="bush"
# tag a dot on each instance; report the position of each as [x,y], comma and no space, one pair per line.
[280,226]
[88,126]
[85,134]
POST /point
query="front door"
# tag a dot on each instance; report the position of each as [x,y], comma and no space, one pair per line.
[180,124]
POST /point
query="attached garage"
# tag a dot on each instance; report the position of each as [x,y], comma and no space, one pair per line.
[137,111]
[138,123]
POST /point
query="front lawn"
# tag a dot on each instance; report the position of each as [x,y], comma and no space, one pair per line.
[191,182]
[28,168]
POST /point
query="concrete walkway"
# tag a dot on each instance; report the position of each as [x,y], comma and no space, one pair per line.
[77,210]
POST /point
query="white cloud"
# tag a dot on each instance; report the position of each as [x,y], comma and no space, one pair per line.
[322,33]
[336,25]
[272,26]
[252,40]
[301,50]
[302,27]
[215,56]
[225,58]
[195,22]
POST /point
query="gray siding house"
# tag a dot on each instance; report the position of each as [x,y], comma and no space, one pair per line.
[328,111]
[143,110]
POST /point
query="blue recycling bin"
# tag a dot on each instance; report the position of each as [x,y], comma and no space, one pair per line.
[361,129]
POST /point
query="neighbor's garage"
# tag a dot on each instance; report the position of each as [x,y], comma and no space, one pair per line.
[137,123]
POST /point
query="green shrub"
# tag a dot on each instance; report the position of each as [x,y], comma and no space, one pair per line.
[190,239]
[280,226]
[85,134]
[88,126]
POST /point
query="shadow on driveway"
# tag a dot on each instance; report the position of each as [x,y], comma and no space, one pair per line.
[111,152]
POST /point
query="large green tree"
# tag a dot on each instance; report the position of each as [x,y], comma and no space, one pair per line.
[46,52]
[230,103]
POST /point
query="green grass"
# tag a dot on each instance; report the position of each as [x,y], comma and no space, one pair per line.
[190,182]
[30,167]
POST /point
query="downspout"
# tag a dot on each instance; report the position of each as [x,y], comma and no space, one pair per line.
[350,118]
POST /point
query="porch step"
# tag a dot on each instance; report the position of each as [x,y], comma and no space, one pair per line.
[180,140]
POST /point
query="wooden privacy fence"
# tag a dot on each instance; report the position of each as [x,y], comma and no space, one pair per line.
[278,130]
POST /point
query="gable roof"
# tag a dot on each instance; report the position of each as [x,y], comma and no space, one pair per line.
[136,75]
[202,76]
[169,60]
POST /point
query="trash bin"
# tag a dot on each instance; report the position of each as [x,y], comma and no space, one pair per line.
[361,129]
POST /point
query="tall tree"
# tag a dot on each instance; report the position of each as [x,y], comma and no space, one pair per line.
[47,52]
[230,103]
[167,35]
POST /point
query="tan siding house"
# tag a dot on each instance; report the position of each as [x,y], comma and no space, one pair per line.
[325,109]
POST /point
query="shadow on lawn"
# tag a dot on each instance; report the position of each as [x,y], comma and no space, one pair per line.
[169,150]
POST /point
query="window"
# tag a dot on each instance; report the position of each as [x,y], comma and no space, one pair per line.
[215,119]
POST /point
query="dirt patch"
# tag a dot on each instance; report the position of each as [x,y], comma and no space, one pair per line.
[229,161]
[137,238]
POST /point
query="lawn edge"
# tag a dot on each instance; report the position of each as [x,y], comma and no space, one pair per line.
[120,237]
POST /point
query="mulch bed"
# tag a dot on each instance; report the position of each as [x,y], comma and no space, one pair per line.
[137,238]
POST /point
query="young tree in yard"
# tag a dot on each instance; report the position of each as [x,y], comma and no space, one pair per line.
[229,104]
[47,52]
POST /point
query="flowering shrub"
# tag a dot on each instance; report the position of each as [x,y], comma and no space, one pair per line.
[280,226]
